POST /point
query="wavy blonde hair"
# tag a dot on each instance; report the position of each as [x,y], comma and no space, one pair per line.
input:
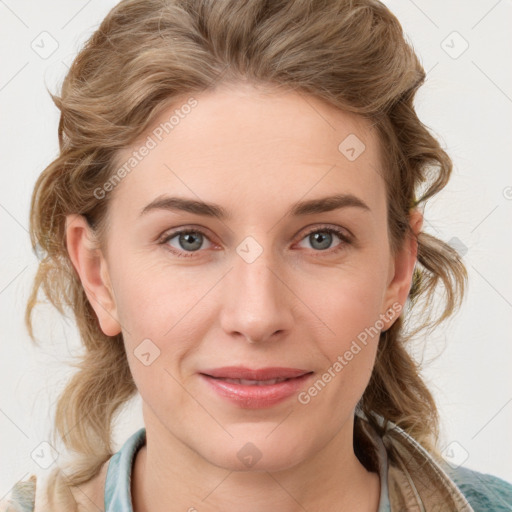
[146,53]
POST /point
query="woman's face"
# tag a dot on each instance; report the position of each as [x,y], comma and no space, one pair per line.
[260,281]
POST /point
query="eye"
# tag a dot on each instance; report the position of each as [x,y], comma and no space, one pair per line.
[187,241]
[322,238]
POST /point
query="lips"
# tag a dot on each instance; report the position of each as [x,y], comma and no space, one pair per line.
[263,374]
[255,388]
[249,382]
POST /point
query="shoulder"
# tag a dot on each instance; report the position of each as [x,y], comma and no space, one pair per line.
[29,495]
[483,491]
[21,497]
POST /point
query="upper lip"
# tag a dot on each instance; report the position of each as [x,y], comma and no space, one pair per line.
[240,372]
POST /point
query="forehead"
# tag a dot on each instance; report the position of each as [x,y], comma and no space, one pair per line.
[260,142]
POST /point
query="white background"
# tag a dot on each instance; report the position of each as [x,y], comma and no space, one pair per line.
[466,102]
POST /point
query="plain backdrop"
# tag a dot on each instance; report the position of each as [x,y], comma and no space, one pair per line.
[466,102]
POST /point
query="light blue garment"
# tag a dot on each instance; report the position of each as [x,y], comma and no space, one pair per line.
[118,496]
[118,480]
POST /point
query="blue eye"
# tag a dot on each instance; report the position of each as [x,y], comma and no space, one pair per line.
[189,240]
[324,237]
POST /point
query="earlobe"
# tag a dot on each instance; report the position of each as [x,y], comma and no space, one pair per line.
[403,266]
[91,266]
[416,221]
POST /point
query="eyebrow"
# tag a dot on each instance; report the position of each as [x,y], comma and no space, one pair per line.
[310,207]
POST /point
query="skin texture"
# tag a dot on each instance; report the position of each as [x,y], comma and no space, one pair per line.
[254,152]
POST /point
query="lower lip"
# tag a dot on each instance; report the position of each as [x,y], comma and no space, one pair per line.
[257,397]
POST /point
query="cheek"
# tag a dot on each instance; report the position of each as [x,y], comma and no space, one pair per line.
[153,314]
[356,327]
[348,300]
[351,308]
[151,298]
[348,352]
[160,313]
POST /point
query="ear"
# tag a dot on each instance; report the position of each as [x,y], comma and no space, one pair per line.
[91,266]
[401,268]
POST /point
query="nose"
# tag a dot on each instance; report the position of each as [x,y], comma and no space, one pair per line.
[257,301]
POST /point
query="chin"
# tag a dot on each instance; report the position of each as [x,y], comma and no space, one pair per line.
[257,450]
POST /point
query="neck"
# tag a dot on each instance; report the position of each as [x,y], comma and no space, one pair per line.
[170,476]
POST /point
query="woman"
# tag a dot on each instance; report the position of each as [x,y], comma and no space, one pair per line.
[279,140]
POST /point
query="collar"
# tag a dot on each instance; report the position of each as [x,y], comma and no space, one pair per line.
[118,496]
[417,481]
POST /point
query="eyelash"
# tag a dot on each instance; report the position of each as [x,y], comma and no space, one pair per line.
[345,240]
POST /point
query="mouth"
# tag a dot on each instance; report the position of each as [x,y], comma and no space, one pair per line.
[255,389]
[248,382]
[260,375]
